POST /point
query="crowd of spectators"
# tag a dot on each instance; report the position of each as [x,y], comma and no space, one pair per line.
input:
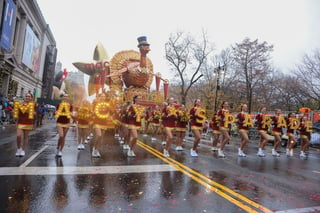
[6,109]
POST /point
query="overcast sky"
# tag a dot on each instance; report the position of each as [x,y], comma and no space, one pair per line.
[292,26]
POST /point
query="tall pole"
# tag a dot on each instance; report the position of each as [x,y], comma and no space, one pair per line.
[217,89]
[217,71]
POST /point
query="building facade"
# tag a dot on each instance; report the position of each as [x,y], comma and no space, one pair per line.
[27,50]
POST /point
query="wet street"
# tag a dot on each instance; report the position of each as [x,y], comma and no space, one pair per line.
[41,182]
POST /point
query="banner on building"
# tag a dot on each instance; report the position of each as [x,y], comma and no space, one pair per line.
[31,50]
[7,25]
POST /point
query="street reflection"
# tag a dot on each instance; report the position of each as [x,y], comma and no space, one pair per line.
[60,190]
[97,193]
[133,186]
[20,196]
[171,184]
[81,182]
[60,193]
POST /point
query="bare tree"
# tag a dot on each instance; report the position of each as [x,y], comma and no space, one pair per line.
[251,60]
[308,73]
[186,57]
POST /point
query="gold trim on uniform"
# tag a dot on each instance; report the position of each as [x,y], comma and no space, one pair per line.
[276,133]
[223,128]
[25,127]
[181,129]
[83,126]
[196,127]
[169,128]
[64,125]
[216,132]
[290,134]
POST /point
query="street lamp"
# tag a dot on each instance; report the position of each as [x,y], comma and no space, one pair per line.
[217,71]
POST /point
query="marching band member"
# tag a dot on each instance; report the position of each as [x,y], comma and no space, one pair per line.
[304,129]
[25,112]
[117,121]
[83,117]
[224,128]
[155,122]
[169,117]
[181,126]
[163,132]
[197,118]
[148,120]
[124,131]
[135,114]
[276,131]
[244,122]
[263,121]
[292,124]
[63,115]
[101,112]
[214,125]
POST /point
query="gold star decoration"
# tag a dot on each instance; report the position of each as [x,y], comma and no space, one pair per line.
[97,69]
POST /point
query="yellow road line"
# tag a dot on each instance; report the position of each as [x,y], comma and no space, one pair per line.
[194,175]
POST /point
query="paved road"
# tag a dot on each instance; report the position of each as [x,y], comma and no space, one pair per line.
[40,182]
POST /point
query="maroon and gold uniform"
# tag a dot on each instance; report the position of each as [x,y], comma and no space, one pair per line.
[101,116]
[135,114]
[221,115]
[276,130]
[197,118]
[117,117]
[214,124]
[303,130]
[64,118]
[182,120]
[124,116]
[241,117]
[290,130]
[84,115]
[155,118]
[25,119]
[169,117]
[259,121]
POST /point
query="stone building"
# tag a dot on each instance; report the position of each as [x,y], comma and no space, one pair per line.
[27,50]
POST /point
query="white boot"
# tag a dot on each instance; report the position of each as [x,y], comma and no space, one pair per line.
[261,153]
[275,153]
[220,153]
[241,153]
[303,155]
[166,153]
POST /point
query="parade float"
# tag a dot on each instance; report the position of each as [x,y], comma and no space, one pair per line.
[127,73]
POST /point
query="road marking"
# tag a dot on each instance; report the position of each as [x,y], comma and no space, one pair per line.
[315,171]
[26,163]
[309,209]
[207,182]
[73,170]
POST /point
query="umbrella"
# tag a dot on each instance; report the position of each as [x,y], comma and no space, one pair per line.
[305,110]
